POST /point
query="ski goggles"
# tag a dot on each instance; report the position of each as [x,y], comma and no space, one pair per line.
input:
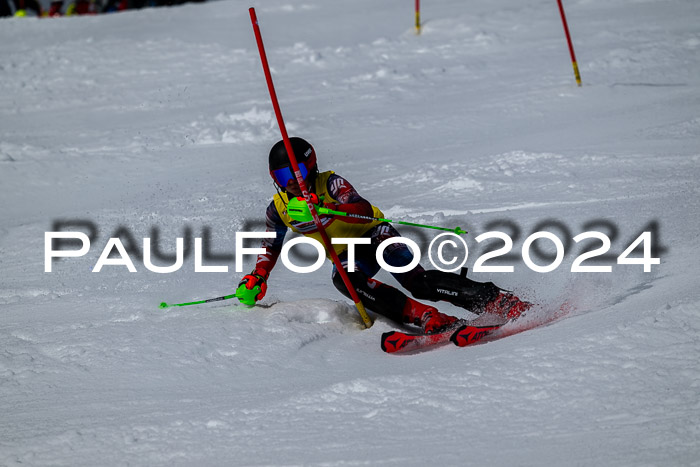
[285,174]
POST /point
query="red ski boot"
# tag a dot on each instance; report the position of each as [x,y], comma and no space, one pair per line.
[507,305]
[434,321]
[427,317]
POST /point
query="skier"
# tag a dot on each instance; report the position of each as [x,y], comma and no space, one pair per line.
[336,193]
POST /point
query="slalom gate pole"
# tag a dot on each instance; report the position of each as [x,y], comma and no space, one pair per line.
[300,179]
[456,230]
[417,16]
[571,45]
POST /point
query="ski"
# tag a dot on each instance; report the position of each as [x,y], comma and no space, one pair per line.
[462,335]
[468,335]
[397,341]
[506,308]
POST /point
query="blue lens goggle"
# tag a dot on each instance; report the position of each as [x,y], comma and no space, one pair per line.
[285,174]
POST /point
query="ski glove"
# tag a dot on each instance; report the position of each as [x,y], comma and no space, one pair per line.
[251,289]
[299,211]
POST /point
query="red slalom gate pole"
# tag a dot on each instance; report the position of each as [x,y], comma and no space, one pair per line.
[300,179]
[571,45]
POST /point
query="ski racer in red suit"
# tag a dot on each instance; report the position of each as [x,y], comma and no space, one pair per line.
[338,194]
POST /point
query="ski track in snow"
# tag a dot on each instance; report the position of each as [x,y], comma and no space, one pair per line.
[157,122]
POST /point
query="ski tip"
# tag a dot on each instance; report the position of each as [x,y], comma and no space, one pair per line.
[456,333]
[385,337]
[395,341]
[467,335]
[163,305]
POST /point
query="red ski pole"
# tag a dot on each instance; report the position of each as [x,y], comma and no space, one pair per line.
[300,179]
[571,45]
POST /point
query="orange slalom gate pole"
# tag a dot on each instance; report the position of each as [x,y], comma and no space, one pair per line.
[571,45]
[300,179]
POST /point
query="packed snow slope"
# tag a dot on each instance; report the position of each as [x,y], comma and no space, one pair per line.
[157,123]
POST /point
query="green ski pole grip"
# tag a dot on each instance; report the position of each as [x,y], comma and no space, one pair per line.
[247,296]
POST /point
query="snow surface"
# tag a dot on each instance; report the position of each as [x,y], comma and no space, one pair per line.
[161,119]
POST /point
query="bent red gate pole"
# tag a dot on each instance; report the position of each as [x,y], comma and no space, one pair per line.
[300,179]
[571,45]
